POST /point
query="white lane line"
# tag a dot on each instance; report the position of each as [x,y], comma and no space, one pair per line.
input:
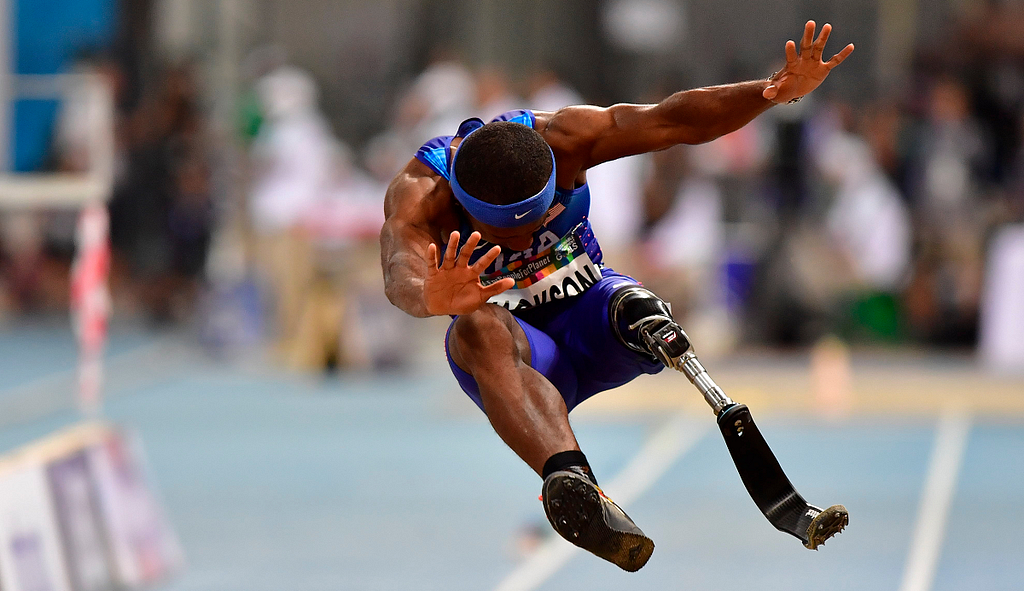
[660,452]
[943,471]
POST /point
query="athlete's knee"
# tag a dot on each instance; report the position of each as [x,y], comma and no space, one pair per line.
[643,322]
[485,322]
[490,330]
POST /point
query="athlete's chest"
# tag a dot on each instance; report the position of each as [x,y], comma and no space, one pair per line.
[562,261]
[543,240]
[556,268]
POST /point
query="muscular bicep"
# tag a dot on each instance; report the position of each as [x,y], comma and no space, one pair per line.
[406,235]
[407,215]
[408,191]
[588,135]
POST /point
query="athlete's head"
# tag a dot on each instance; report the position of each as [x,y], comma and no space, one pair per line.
[503,163]
[503,175]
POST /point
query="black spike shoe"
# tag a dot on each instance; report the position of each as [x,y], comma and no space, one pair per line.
[582,514]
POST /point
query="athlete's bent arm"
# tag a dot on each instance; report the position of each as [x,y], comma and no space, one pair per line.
[416,278]
[404,240]
[584,136]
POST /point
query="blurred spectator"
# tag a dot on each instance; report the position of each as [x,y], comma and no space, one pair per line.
[316,217]
[947,182]
[951,155]
[165,175]
[870,228]
[685,233]
[548,92]
[494,94]
[867,219]
[687,229]
[294,155]
[22,260]
[256,65]
[1015,185]
[190,221]
[885,130]
[440,98]
[293,160]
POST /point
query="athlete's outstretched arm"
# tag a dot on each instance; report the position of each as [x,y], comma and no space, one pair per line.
[416,278]
[588,136]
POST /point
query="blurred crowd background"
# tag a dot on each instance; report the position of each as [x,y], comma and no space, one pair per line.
[253,141]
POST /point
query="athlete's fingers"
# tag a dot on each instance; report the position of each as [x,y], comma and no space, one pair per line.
[497,287]
[451,250]
[819,44]
[770,92]
[839,57]
[485,261]
[808,39]
[467,249]
[790,53]
[432,257]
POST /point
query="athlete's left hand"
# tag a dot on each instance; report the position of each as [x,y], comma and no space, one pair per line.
[452,285]
[803,73]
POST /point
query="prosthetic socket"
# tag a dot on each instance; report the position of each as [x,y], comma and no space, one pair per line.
[643,322]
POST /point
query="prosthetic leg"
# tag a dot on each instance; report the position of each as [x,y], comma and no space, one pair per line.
[644,323]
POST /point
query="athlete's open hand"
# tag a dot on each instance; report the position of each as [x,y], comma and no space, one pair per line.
[803,73]
[452,286]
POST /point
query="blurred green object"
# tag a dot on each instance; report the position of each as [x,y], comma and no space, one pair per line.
[250,116]
[874,317]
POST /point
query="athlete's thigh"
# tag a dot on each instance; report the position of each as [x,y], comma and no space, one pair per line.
[546,357]
[586,336]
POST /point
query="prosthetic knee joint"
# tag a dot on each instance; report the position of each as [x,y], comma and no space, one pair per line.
[643,322]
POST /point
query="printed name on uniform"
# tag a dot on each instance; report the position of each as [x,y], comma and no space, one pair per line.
[562,271]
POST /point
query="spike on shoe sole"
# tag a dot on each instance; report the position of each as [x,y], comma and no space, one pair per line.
[584,516]
[826,524]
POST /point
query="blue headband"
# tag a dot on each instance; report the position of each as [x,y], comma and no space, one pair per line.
[512,215]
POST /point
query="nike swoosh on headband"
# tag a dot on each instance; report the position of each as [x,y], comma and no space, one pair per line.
[520,216]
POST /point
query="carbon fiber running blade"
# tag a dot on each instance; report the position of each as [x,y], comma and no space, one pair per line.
[768,485]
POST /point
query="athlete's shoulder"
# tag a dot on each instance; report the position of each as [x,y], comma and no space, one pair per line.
[418,197]
[523,116]
[434,154]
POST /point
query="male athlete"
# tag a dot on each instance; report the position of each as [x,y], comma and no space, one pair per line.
[490,227]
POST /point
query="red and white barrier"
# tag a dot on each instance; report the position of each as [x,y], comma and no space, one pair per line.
[90,302]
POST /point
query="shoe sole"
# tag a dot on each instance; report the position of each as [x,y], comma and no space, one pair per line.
[827,524]
[575,510]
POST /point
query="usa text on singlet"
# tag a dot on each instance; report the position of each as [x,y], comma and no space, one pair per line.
[562,271]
